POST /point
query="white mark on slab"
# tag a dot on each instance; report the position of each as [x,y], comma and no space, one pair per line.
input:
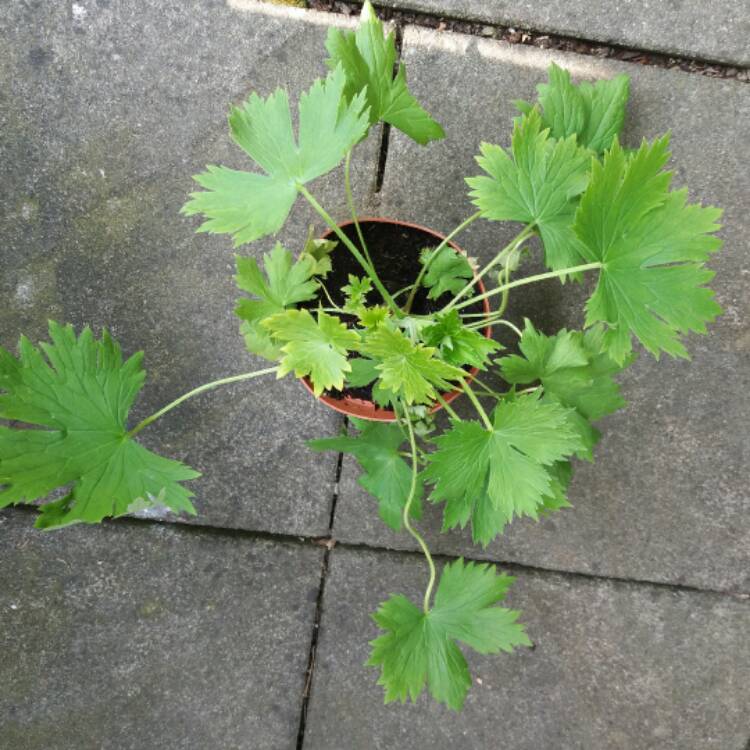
[79,12]
[290,12]
[14,606]
[454,43]
[25,292]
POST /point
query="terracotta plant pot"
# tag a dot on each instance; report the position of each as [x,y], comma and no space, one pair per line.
[361,408]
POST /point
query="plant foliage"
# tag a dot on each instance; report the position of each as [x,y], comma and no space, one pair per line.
[81,391]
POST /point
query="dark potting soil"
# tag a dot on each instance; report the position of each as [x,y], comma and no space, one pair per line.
[394,250]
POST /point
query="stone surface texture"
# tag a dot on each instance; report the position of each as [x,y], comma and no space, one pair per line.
[616,666]
[106,111]
[138,635]
[679,27]
[135,635]
[666,499]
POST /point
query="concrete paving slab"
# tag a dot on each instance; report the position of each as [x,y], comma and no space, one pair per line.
[134,635]
[106,111]
[679,27]
[615,665]
[666,499]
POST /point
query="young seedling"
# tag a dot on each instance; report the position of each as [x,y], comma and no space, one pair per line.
[597,209]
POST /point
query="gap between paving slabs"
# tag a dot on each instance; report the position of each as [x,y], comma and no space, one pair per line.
[428,14]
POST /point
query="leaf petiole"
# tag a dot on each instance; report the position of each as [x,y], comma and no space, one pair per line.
[350,204]
[200,389]
[369,270]
[407,508]
[518,240]
[480,409]
[526,280]
[434,254]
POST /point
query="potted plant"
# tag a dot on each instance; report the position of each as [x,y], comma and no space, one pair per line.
[388,322]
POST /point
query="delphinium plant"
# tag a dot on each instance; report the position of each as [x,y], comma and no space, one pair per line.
[395,350]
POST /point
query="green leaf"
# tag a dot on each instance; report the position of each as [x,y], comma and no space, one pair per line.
[285,283]
[409,370]
[364,371]
[317,348]
[385,474]
[593,113]
[448,272]
[356,293]
[652,247]
[372,317]
[82,392]
[573,370]
[421,648]
[458,345]
[538,185]
[320,251]
[251,205]
[490,477]
[368,57]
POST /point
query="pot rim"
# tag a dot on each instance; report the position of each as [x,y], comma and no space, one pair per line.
[368,410]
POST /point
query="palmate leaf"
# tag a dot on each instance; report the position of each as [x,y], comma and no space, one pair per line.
[385,474]
[594,113]
[82,393]
[538,183]
[459,345]
[419,648]
[356,292]
[448,272]
[409,370]
[285,282]
[367,56]
[652,247]
[317,348]
[320,252]
[252,205]
[574,370]
[490,477]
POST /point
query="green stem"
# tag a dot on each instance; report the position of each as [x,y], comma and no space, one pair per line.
[489,390]
[519,239]
[350,203]
[433,255]
[369,270]
[491,321]
[407,509]
[448,408]
[526,280]
[474,400]
[506,294]
[200,389]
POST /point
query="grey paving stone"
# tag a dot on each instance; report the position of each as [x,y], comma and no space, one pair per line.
[135,635]
[106,111]
[682,27]
[666,499]
[616,666]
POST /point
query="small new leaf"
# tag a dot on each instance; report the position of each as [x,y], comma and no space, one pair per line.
[538,185]
[317,348]
[367,56]
[82,393]
[249,205]
[284,284]
[573,370]
[385,474]
[652,247]
[459,345]
[448,271]
[419,648]
[356,293]
[320,251]
[490,477]
[409,370]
